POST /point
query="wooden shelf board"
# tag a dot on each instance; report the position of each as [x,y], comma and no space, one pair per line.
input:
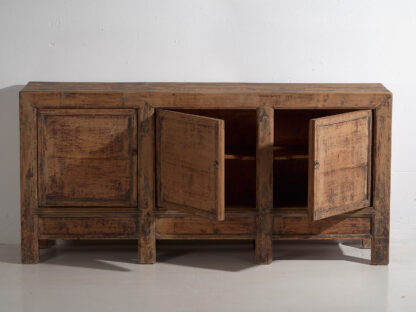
[302,211]
[229,210]
[281,152]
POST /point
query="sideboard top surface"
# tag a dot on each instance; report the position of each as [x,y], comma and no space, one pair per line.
[196,87]
[207,95]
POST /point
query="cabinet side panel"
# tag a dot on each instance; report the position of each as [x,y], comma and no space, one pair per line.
[381,189]
[28,178]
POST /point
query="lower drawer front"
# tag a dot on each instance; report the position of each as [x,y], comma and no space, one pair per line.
[200,228]
[303,225]
[88,226]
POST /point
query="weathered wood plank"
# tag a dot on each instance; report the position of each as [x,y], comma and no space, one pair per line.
[199,226]
[320,236]
[335,225]
[381,189]
[190,163]
[186,87]
[28,181]
[264,184]
[87,157]
[212,95]
[339,164]
[146,185]
[104,226]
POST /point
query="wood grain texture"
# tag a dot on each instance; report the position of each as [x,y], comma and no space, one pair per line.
[335,225]
[236,226]
[28,181]
[88,226]
[339,164]
[342,236]
[264,184]
[218,87]
[246,174]
[87,157]
[190,163]
[214,95]
[147,238]
[381,180]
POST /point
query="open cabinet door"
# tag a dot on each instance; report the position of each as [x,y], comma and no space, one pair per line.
[339,164]
[190,163]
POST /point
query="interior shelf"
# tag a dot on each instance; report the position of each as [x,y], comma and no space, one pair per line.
[229,209]
[279,153]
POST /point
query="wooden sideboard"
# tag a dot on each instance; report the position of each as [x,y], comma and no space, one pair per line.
[149,161]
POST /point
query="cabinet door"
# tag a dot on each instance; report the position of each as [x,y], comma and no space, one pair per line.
[190,163]
[87,157]
[339,164]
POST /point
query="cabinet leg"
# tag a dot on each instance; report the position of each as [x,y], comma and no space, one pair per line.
[46,243]
[147,240]
[366,243]
[29,242]
[380,240]
[264,184]
[381,192]
[263,249]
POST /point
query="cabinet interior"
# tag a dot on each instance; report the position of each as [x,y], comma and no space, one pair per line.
[290,176]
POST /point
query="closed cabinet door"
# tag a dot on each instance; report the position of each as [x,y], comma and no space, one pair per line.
[190,164]
[87,157]
[339,164]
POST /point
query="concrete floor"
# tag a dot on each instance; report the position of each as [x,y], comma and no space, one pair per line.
[208,277]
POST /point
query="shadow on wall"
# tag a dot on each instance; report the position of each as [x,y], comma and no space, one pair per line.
[9,165]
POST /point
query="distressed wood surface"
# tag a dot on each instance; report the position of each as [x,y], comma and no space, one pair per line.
[264,184]
[243,226]
[342,236]
[381,190]
[190,163]
[104,226]
[87,157]
[147,239]
[28,182]
[213,95]
[240,88]
[242,107]
[335,225]
[339,164]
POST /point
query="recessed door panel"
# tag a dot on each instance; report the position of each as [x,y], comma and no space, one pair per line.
[339,163]
[190,163]
[87,157]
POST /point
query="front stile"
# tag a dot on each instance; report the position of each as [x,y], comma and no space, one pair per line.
[381,192]
[146,185]
[264,184]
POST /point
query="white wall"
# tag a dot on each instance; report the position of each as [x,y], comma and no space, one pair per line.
[202,40]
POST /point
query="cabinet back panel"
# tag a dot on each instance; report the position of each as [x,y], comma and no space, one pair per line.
[291,127]
[240,127]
